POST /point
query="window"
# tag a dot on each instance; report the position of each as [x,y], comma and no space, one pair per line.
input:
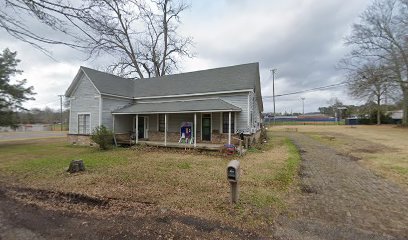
[225,122]
[84,124]
[161,123]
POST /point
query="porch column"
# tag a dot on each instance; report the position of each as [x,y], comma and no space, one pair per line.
[137,128]
[229,127]
[195,130]
[113,130]
[113,124]
[165,129]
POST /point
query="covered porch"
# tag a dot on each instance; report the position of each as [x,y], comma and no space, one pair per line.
[205,124]
[204,146]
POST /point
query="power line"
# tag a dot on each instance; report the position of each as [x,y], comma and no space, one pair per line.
[310,90]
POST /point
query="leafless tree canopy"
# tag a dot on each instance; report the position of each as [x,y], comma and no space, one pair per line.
[372,82]
[381,37]
[141,36]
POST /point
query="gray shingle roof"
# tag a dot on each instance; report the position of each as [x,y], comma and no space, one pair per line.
[232,78]
[237,77]
[179,106]
[109,83]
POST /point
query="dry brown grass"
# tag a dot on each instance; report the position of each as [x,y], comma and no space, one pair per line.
[187,182]
[383,149]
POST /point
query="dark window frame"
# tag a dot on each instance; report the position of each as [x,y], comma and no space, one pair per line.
[162,122]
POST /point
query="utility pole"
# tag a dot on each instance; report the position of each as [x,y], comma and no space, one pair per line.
[60,96]
[273,90]
[303,104]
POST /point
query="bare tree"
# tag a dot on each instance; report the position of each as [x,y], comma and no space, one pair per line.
[382,35]
[371,83]
[141,36]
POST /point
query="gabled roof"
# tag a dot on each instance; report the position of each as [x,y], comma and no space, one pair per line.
[104,83]
[232,78]
[239,77]
[203,105]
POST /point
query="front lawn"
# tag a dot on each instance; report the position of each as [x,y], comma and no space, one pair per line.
[187,182]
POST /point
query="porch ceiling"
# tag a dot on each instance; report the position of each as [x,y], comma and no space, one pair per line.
[187,106]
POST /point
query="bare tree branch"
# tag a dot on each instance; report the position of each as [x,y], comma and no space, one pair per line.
[141,36]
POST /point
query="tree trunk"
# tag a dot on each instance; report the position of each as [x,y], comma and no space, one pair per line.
[405,106]
[378,111]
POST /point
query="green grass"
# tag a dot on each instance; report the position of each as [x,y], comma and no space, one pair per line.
[263,198]
[400,170]
[288,172]
[52,159]
[272,178]
[184,165]
[57,127]
[192,183]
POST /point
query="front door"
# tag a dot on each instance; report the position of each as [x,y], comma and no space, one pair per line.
[141,127]
[206,127]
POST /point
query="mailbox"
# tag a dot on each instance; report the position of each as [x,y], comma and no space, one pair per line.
[233,171]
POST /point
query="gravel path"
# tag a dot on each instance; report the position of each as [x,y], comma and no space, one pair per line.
[342,200]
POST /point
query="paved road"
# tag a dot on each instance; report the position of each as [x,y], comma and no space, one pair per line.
[11,136]
[342,200]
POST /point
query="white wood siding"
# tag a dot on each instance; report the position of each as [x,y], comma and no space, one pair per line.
[123,123]
[216,122]
[110,104]
[175,120]
[241,118]
[257,114]
[85,99]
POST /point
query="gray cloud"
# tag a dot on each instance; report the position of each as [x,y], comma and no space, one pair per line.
[302,39]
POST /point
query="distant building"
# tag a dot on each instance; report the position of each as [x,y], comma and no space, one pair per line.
[395,115]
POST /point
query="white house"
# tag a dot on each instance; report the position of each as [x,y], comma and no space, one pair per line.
[205,106]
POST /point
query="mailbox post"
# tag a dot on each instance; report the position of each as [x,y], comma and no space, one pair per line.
[233,178]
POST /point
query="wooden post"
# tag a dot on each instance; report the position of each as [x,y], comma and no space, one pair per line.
[234,192]
[137,128]
[229,128]
[240,147]
[113,130]
[165,129]
[195,130]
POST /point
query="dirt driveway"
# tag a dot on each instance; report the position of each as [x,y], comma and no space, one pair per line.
[32,214]
[341,199]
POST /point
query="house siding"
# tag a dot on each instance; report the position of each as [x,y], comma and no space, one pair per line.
[110,104]
[124,123]
[257,115]
[85,99]
[241,118]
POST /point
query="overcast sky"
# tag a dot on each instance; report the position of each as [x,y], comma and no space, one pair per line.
[302,39]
